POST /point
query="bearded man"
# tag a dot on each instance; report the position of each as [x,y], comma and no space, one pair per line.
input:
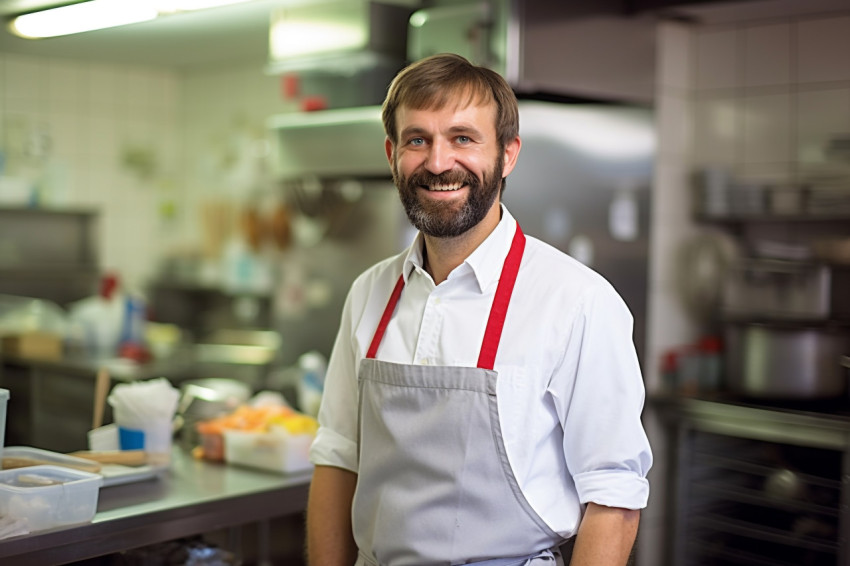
[483,398]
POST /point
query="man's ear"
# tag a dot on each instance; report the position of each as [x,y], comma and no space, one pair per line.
[388,147]
[511,153]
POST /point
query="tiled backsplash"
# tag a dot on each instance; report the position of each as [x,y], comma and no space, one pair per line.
[131,142]
[770,95]
[87,117]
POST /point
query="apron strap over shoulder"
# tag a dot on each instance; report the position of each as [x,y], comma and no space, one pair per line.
[499,310]
[385,318]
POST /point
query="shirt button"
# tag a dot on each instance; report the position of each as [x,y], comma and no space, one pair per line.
[423,362]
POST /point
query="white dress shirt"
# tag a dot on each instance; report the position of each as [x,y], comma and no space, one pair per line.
[570,391]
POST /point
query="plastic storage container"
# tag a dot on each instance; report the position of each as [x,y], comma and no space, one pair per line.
[273,451]
[26,456]
[46,497]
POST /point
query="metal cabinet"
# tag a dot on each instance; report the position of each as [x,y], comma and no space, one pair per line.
[49,254]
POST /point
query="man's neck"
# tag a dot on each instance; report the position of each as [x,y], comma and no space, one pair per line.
[443,255]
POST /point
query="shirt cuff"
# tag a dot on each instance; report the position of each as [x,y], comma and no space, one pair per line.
[332,449]
[613,488]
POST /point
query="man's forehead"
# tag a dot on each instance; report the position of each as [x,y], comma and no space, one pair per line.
[488,108]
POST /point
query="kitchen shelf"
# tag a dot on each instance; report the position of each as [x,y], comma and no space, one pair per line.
[738,494]
[724,524]
[770,218]
[766,470]
[735,556]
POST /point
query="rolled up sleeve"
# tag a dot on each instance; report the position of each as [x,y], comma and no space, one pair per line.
[605,445]
[336,440]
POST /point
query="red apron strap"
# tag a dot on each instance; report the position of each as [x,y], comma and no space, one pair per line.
[385,318]
[499,310]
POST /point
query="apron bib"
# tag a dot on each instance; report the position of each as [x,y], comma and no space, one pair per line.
[435,486]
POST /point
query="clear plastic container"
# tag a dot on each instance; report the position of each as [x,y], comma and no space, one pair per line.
[27,456]
[273,451]
[46,497]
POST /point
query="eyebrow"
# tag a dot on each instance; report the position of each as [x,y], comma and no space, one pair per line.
[455,130]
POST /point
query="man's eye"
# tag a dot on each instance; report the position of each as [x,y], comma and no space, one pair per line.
[416,141]
[463,139]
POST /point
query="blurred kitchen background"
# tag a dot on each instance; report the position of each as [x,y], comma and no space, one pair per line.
[192,196]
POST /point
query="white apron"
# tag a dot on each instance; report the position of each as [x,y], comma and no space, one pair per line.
[434,485]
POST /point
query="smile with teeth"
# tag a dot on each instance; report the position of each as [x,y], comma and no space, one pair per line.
[452,187]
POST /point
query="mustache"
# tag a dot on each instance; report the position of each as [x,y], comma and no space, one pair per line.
[423,177]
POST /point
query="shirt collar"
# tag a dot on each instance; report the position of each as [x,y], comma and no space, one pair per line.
[485,262]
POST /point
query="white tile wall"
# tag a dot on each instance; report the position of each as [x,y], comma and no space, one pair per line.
[767,121]
[675,68]
[767,52]
[717,126]
[718,58]
[90,111]
[672,106]
[822,48]
[819,116]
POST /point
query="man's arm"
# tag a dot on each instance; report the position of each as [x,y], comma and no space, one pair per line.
[330,541]
[606,536]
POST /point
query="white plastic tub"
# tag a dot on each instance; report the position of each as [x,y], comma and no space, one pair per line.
[46,497]
[273,451]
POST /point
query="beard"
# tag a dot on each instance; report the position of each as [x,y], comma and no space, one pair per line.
[443,219]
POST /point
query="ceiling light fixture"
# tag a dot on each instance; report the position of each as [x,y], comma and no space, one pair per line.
[100,14]
[170,6]
[85,16]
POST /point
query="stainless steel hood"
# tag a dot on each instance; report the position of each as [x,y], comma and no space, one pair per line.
[582,50]
[346,142]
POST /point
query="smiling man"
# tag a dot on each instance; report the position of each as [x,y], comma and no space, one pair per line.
[483,398]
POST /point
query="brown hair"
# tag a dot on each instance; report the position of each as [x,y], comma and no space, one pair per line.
[435,81]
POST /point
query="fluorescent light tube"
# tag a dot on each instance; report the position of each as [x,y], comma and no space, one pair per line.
[86,16]
[192,5]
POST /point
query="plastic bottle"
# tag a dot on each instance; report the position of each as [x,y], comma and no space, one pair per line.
[99,319]
[132,343]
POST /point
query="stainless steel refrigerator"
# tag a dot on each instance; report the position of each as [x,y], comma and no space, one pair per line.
[581,184]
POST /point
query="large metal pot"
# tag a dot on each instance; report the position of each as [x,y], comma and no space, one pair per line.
[774,361]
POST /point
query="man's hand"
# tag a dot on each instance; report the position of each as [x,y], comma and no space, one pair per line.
[606,536]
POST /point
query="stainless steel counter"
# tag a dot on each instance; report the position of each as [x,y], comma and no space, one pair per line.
[192,498]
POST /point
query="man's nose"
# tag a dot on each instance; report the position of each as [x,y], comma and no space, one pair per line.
[440,158]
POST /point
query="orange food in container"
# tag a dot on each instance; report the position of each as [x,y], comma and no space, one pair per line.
[248,424]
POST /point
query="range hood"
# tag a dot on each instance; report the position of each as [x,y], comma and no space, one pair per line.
[338,36]
[582,50]
[347,142]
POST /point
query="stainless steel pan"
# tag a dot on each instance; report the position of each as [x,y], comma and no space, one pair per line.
[775,361]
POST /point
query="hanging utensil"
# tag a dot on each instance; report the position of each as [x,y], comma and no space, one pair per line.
[280,226]
[101,388]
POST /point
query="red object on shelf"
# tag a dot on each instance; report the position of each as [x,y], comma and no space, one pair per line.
[710,345]
[108,285]
[313,103]
[290,86]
